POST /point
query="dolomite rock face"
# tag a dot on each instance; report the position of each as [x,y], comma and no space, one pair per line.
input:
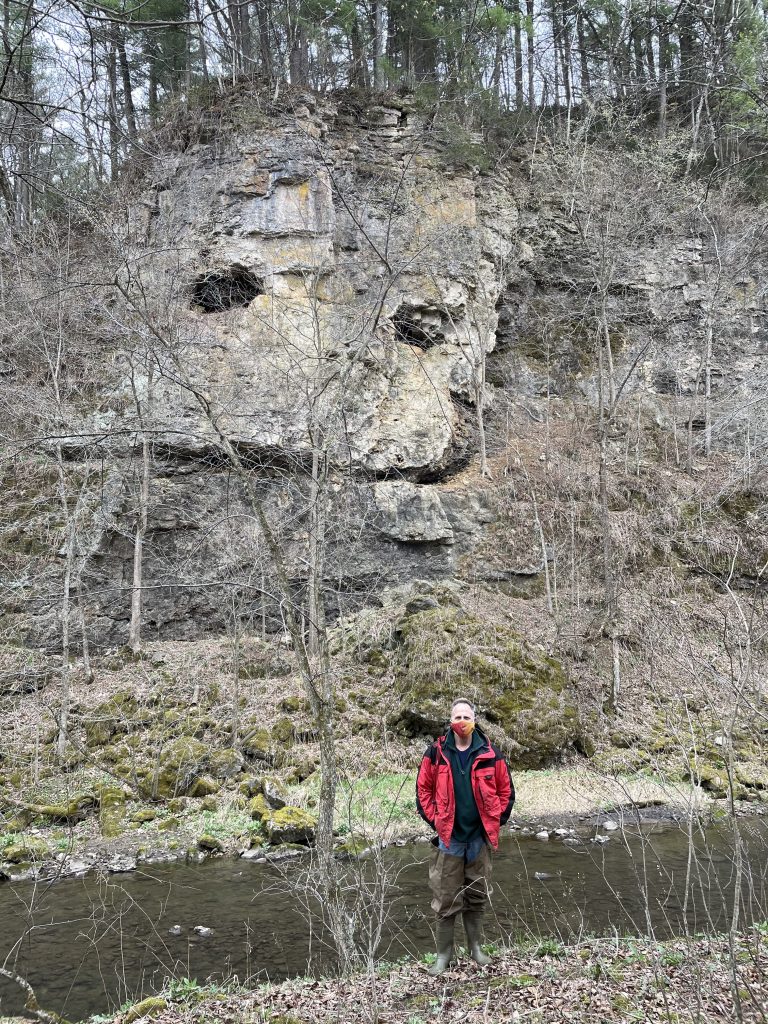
[369,278]
[411,513]
[332,278]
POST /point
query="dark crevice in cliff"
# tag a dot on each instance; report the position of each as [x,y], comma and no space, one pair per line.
[421,326]
[216,291]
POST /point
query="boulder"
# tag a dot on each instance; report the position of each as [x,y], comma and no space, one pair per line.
[290,825]
[146,1008]
[69,812]
[225,764]
[258,808]
[26,850]
[411,513]
[283,732]
[112,813]
[257,745]
[141,817]
[522,692]
[210,843]
[205,786]
[274,794]
[181,764]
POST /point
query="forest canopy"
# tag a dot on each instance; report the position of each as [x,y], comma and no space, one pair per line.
[82,86]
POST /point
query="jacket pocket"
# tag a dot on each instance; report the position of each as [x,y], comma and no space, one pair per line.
[488,795]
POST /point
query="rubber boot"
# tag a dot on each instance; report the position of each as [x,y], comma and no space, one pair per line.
[473,926]
[444,945]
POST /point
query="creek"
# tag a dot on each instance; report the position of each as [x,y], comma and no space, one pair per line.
[89,944]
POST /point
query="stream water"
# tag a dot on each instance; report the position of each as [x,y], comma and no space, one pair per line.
[87,945]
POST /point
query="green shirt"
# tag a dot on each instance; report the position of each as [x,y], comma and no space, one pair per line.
[467,825]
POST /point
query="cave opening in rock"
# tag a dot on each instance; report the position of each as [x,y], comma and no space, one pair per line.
[215,291]
[421,326]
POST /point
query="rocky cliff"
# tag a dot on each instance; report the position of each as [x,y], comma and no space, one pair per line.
[340,285]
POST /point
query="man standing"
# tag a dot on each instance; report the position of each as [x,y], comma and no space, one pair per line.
[465,792]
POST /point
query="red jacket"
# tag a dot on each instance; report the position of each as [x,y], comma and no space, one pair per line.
[491,786]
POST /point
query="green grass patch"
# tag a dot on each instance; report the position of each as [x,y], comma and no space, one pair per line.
[376,804]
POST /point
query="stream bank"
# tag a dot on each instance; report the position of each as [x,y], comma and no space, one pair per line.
[192,830]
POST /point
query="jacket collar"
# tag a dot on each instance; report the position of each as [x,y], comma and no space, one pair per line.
[447,741]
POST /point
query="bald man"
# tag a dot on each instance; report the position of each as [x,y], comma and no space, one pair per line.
[465,792]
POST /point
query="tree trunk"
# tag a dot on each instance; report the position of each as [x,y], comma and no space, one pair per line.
[565,58]
[378,45]
[529,12]
[603,415]
[298,58]
[134,629]
[234,724]
[61,743]
[556,32]
[358,72]
[317,517]
[586,83]
[661,130]
[201,42]
[265,51]
[113,120]
[152,97]
[518,48]
[606,338]
[708,386]
[125,74]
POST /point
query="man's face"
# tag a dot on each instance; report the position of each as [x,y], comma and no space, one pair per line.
[462,719]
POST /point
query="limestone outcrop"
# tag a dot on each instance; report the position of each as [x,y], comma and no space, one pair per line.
[332,282]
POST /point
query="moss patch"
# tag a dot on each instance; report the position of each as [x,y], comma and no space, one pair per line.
[146,1008]
[112,814]
[446,652]
[290,825]
[28,849]
[182,764]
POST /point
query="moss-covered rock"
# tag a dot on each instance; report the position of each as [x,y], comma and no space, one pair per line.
[98,732]
[257,745]
[205,786]
[376,660]
[290,825]
[209,803]
[353,848]
[523,692]
[210,843]
[225,764]
[251,786]
[26,850]
[714,780]
[302,768]
[141,817]
[283,732]
[182,763]
[168,824]
[146,1008]
[122,713]
[754,775]
[274,793]
[292,704]
[258,808]
[70,811]
[112,812]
